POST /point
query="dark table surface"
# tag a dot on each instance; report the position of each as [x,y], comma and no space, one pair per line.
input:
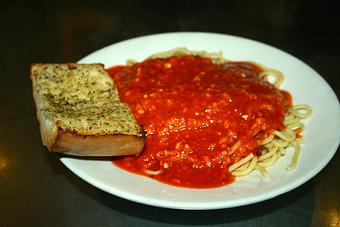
[36,189]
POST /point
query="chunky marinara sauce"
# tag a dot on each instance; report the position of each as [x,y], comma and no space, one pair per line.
[193,111]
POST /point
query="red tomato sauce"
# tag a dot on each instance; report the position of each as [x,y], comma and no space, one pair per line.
[193,111]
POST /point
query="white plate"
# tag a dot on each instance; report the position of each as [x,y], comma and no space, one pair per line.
[322,132]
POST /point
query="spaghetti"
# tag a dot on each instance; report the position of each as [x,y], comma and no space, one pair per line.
[274,146]
[208,120]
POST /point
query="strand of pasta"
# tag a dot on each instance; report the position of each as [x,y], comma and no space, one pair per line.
[216,57]
[153,172]
[240,163]
[247,170]
[278,76]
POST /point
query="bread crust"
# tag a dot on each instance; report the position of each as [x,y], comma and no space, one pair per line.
[107,145]
[63,141]
[48,134]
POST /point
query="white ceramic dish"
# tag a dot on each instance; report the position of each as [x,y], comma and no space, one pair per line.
[322,132]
